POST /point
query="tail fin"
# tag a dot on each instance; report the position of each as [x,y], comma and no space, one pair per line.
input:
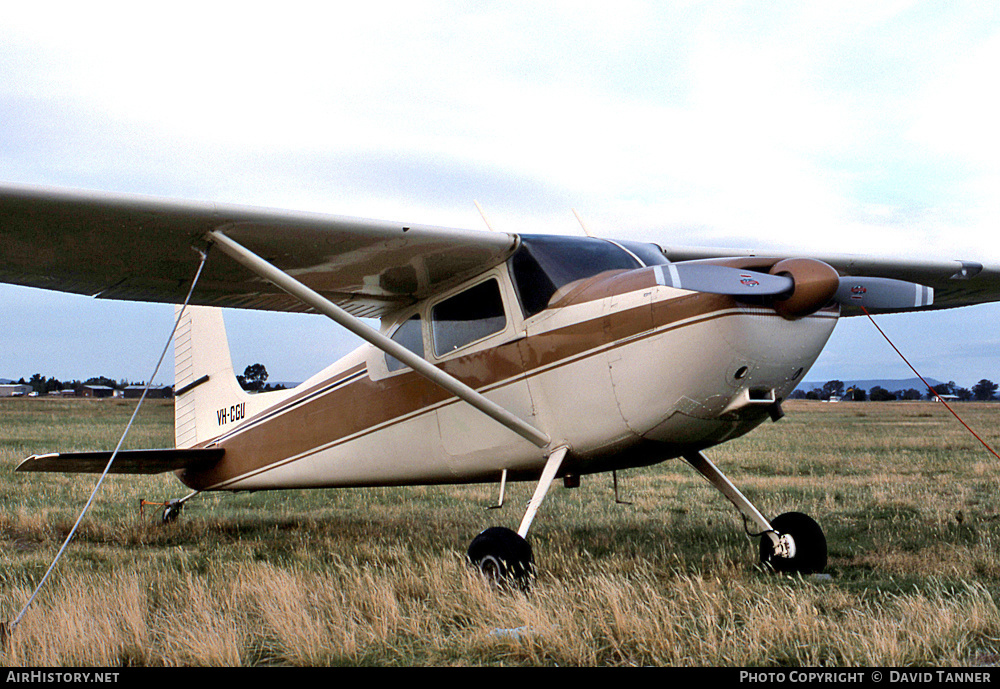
[209,400]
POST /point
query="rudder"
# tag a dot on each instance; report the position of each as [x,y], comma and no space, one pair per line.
[208,397]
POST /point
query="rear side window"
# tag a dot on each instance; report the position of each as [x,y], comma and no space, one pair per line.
[467,317]
[410,336]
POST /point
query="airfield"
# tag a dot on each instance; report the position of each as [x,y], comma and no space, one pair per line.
[909,501]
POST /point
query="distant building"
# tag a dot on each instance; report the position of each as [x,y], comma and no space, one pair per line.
[155,392]
[14,390]
[938,397]
[98,391]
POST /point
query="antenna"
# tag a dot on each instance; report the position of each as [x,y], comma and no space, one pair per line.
[483,213]
[582,224]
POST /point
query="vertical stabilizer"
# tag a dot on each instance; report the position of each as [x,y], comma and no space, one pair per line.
[209,400]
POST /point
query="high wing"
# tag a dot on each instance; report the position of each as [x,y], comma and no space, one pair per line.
[140,248]
[955,283]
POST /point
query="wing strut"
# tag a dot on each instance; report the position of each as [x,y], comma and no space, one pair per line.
[706,468]
[283,280]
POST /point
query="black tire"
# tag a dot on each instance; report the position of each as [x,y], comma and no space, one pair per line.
[810,545]
[171,511]
[503,558]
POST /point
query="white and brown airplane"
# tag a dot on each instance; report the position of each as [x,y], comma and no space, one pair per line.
[500,357]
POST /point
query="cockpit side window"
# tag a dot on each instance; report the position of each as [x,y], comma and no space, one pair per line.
[410,335]
[467,317]
[542,264]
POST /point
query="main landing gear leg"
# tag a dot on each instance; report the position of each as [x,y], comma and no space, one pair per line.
[792,542]
[504,557]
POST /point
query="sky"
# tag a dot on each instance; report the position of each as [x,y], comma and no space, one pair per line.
[847,127]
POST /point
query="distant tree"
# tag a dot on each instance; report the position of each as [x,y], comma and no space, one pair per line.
[963,394]
[855,394]
[101,380]
[37,383]
[880,394]
[814,394]
[797,395]
[43,385]
[984,390]
[254,377]
[910,394]
[940,389]
[833,388]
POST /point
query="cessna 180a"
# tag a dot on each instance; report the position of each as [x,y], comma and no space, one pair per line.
[500,357]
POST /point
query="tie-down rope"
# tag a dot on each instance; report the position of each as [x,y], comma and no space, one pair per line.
[933,391]
[107,468]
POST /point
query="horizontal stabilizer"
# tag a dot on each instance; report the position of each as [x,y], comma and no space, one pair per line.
[126,462]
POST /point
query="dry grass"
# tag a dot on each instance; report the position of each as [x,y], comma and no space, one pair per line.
[378,576]
[260,614]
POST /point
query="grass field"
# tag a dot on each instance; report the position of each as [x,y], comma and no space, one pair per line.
[908,499]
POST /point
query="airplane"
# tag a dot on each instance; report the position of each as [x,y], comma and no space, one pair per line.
[499,357]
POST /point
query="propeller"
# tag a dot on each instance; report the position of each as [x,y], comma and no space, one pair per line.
[797,286]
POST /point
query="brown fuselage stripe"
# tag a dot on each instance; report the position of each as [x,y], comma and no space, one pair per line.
[340,380]
[352,405]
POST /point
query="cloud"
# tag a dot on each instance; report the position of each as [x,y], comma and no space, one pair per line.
[855,128]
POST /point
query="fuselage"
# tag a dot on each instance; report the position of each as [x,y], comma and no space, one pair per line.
[590,347]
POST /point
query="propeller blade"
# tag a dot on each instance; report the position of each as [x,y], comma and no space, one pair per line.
[715,279]
[868,292]
[883,293]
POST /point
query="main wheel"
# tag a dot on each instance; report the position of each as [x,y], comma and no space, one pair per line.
[502,557]
[809,543]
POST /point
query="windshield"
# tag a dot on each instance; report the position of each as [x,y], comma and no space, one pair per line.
[544,263]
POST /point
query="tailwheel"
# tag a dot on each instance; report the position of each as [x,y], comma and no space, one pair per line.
[803,545]
[172,510]
[503,558]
